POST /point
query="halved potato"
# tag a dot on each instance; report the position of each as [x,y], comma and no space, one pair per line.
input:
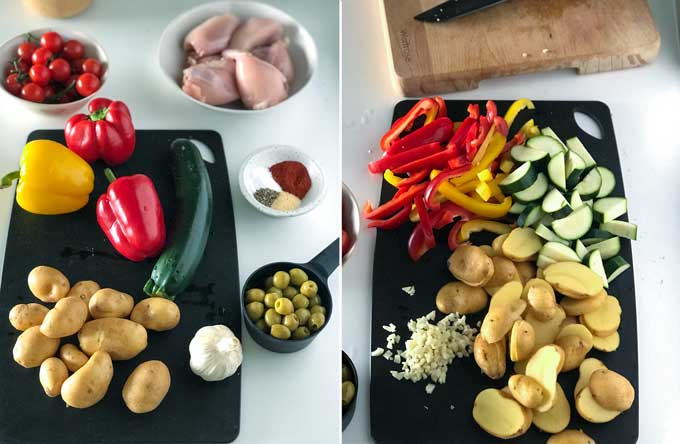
[522,340]
[591,411]
[471,265]
[522,245]
[461,298]
[544,366]
[526,391]
[585,370]
[499,320]
[508,293]
[497,244]
[490,357]
[576,341]
[504,271]
[488,250]
[611,390]
[545,332]
[571,437]
[540,296]
[557,418]
[573,279]
[608,343]
[526,270]
[577,307]
[605,320]
[499,415]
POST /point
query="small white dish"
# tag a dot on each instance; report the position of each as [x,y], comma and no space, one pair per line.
[254,174]
[172,56]
[92,49]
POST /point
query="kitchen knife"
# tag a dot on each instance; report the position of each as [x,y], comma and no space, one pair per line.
[454,8]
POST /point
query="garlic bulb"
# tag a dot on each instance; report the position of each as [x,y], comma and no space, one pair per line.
[215,353]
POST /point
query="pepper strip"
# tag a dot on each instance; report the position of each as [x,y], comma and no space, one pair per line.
[515,108]
[442,107]
[393,161]
[425,221]
[391,178]
[453,235]
[440,130]
[494,150]
[485,145]
[484,209]
[529,129]
[413,179]
[439,179]
[392,222]
[436,160]
[448,213]
[427,107]
[396,203]
[475,226]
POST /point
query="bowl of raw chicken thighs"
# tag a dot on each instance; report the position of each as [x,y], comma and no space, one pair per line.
[237,56]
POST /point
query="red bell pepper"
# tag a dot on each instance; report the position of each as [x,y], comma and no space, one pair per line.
[501,125]
[427,107]
[434,161]
[442,107]
[458,138]
[392,161]
[425,221]
[395,204]
[453,234]
[106,132]
[448,213]
[440,130]
[417,246]
[435,183]
[491,111]
[473,111]
[131,216]
[394,221]
[518,139]
[413,179]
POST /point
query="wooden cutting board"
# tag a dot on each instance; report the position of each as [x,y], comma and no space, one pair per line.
[515,37]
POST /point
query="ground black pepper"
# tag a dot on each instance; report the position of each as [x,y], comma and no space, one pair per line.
[266,196]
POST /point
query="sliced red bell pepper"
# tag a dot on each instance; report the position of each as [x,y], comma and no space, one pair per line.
[440,130]
[442,177]
[491,111]
[416,244]
[425,221]
[414,178]
[518,139]
[442,107]
[459,162]
[395,204]
[393,161]
[473,110]
[472,144]
[458,138]
[453,235]
[448,213]
[501,125]
[392,222]
[437,160]
[427,107]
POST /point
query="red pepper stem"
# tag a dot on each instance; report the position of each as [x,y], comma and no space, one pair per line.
[9,178]
[109,175]
[100,114]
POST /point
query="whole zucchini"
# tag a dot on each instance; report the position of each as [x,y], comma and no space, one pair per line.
[176,266]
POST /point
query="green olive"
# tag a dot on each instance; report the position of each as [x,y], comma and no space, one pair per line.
[314,301]
[316,321]
[300,301]
[309,288]
[281,279]
[318,309]
[271,317]
[303,315]
[262,325]
[280,331]
[301,333]
[289,292]
[254,295]
[254,310]
[283,306]
[291,321]
[297,276]
[269,282]
[270,299]
[348,392]
[275,290]
[346,374]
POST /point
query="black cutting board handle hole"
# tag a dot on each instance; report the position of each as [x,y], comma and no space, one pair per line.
[588,124]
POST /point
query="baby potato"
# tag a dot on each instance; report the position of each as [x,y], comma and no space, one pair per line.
[53,373]
[146,386]
[121,338]
[65,319]
[25,316]
[158,314]
[526,391]
[84,290]
[110,303]
[570,436]
[497,244]
[459,297]
[89,384]
[499,320]
[578,307]
[72,357]
[33,347]
[521,245]
[500,415]
[557,418]
[522,340]
[504,271]
[48,284]
[490,357]
[526,270]
[576,341]
[611,390]
[541,299]
[471,265]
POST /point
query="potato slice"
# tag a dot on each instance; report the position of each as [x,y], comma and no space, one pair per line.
[459,297]
[520,367]
[611,390]
[569,320]
[540,296]
[571,437]
[544,366]
[591,411]
[557,418]
[573,279]
[526,391]
[504,271]
[497,244]
[522,340]
[576,341]
[577,307]
[605,320]
[471,265]
[489,251]
[490,357]
[608,343]
[499,415]
[499,320]
[526,270]
[545,332]
[506,294]
[585,370]
[522,245]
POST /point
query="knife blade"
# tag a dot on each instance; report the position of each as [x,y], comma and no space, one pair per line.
[454,8]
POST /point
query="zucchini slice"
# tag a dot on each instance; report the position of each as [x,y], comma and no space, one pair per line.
[575,225]
[575,200]
[559,252]
[580,249]
[546,143]
[575,145]
[595,235]
[614,267]
[608,182]
[535,192]
[594,262]
[521,153]
[520,179]
[531,214]
[555,204]
[517,208]
[609,208]
[590,185]
[549,235]
[544,261]
[547,131]
[574,167]
[608,248]
[620,228]
[557,173]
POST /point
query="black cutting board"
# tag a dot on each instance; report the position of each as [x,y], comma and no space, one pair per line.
[401,412]
[194,411]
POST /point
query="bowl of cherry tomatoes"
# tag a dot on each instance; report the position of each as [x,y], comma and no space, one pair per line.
[52,70]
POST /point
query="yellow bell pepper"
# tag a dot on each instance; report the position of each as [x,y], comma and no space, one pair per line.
[494,150]
[529,129]
[484,191]
[52,179]
[485,176]
[515,109]
[484,209]
[477,225]
[391,178]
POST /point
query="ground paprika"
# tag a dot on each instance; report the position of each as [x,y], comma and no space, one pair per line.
[292,176]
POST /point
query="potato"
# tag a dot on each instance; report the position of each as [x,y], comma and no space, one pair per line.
[53,373]
[504,272]
[605,320]
[455,297]
[72,357]
[84,290]
[490,357]
[158,314]
[110,303]
[577,307]
[488,250]
[471,265]
[33,347]
[509,293]
[526,391]
[48,284]
[65,319]
[121,338]
[576,341]
[545,332]
[544,366]
[497,244]
[611,390]
[569,320]
[24,316]
[591,411]
[89,384]
[571,437]
[585,370]
[500,415]
[557,418]
[608,343]
[573,279]
[522,340]
[522,245]
[541,299]
[146,386]
[526,270]
[499,320]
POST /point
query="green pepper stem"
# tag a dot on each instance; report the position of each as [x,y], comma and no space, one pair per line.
[100,114]
[9,178]
[109,175]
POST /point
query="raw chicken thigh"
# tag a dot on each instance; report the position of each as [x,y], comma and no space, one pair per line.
[194,59]
[212,82]
[277,54]
[256,32]
[260,84]
[211,36]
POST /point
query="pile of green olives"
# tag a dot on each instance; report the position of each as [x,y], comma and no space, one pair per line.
[349,389]
[289,308]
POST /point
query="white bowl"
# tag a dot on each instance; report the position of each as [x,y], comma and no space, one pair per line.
[172,56]
[254,174]
[351,221]
[8,52]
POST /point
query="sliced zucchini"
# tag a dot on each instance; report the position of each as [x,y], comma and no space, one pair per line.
[574,167]
[555,204]
[547,131]
[589,186]
[546,143]
[575,225]
[556,171]
[516,208]
[535,192]
[538,158]
[546,220]
[544,261]
[549,235]
[609,208]
[594,262]
[608,182]
[620,228]
[614,267]
[520,179]
[531,214]
[575,200]
[559,252]
[594,236]
[608,248]
[580,249]
[575,145]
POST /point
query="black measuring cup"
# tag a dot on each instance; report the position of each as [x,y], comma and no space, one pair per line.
[318,270]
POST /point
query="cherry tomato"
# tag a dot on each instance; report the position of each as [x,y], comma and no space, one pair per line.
[13,84]
[92,66]
[40,74]
[73,50]
[41,56]
[87,84]
[25,51]
[77,66]
[60,69]
[49,91]
[52,41]
[33,92]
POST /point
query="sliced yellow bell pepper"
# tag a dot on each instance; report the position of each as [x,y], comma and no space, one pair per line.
[468,187]
[485,146]
[495,189]
[484,191]
[515,109]
[529,129]
[485,176]
[52,179]
[391,178]
[493,151]
[477,225]
[484,209]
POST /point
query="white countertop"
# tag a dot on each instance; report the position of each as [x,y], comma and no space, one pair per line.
[280,393]
[644,105]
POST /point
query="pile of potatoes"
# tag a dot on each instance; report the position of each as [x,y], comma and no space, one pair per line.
[541,336]
[98,316]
